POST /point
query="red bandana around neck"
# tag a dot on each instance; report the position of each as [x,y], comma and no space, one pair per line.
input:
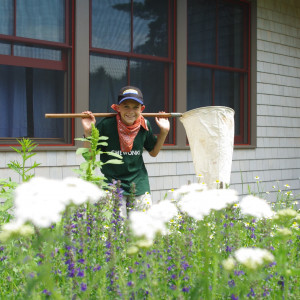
[127,133]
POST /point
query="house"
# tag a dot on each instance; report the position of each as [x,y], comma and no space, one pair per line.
[69,55]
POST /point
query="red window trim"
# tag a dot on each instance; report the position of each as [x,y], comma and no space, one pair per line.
[45,64]
[13,60]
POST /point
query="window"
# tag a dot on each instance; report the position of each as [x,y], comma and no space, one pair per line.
[35,70]
[218,58]
[132,44]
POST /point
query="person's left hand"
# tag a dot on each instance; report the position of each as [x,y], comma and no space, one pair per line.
[163,123]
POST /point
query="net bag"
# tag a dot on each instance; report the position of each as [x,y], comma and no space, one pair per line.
[210,131]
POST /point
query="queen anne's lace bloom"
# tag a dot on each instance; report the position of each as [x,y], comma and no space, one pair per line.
[199,204]
[256,207]
[42,201]
[252,258]
[165,210]
[147,224]
[143,225]
[13,228]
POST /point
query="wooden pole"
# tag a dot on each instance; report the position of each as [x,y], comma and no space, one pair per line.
[80,115]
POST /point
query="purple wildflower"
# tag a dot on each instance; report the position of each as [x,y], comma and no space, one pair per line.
[97,268]
[252,293]
[238,273]
[231,283]
[46,292]
[228,249]
[186,289]
[83,287]
[80,273]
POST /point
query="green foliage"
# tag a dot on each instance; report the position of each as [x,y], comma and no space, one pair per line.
[8,186]
[87,169]
[27,146]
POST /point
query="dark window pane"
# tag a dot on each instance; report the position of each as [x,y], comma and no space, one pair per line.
[5,48]
[231,91]
[155,81]
[107,76]
[199,87]
[111,24]
[26,95]
[41,19]
[202,31]
[230,35]
[6,17]
[37,52]
[150,27]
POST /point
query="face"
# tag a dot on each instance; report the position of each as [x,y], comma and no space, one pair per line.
[129,111]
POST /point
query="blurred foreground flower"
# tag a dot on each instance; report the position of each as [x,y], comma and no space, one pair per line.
[256,207]
[42,201]
[228,264]
[199,204]
[14,228]
[189,188]
[147,224]
[286,213]
[252,258]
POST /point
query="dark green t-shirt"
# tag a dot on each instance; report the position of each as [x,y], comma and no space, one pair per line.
[133,169]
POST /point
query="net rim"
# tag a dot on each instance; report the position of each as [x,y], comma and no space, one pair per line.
[195,110]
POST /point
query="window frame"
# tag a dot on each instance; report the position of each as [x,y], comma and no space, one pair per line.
[170,59]
[246,71]
[65,64]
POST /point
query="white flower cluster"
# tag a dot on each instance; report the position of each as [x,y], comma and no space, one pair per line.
[14,228]
[199,204]
[42,201]
[256,207]
[147,224]
[252,258]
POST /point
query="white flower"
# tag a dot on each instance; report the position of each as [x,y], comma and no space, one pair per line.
[199,204]
[164,211]
[253,257]
[195,206]
[15,228]
[79,191]
[228,263]
[142,224]
[256,207]
[189,188]
[284,231]
[287,212]
[42,201]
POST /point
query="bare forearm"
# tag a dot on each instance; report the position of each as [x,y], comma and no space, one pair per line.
[159,143]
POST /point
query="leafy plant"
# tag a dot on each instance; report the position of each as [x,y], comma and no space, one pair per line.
[87,169]
[27,146]
[8,186]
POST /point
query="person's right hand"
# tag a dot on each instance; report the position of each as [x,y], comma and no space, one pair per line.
[87,122]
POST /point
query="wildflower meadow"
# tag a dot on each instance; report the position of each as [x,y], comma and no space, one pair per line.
[65,239]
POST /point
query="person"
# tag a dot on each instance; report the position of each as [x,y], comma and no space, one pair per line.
[128,134]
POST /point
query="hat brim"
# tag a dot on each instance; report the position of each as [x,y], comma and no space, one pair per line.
[131,98]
